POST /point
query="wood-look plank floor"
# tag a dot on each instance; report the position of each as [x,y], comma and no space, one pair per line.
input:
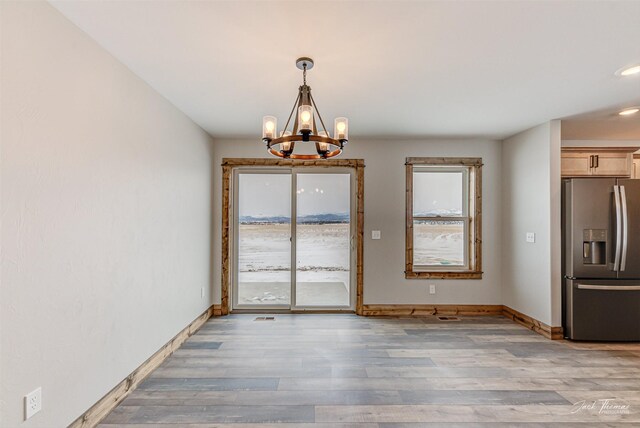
[344,371]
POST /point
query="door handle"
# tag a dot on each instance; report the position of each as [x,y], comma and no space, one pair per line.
[616,197]
[625,228]
[590,161]
[609,287]
[597,160]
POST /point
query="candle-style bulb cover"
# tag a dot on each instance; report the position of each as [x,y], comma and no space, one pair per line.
[341,128]
[269,127]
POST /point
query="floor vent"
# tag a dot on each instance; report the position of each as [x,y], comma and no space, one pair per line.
[265,319]
[449,318]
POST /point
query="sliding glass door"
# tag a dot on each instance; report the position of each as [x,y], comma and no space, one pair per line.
[263,240]
[323,239]
[293,218]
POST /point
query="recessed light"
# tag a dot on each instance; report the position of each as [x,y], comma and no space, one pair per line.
[628,71]
[629,111]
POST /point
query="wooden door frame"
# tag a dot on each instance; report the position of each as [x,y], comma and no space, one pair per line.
[228,165]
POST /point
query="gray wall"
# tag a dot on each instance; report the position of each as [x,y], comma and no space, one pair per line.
[106,205]
[384,281]
[531,274]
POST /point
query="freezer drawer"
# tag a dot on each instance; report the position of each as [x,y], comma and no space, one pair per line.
[602,310]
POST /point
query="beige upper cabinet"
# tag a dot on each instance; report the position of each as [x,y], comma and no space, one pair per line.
[613,164]
[600,162]
[576,164]
[636,167]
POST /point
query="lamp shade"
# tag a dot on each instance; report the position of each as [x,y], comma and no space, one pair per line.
[323,146]
[286,146]
[305,117]
[269,127]
[341,128]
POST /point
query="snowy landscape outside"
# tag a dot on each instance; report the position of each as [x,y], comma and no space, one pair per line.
[323,239]
[323,234]
[438,237]
[264,264]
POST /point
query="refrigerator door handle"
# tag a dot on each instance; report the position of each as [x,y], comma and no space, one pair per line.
[625,228]
[609,287]
[616,259]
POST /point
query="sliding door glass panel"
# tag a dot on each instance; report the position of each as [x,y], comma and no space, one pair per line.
[323,240]
[264,240]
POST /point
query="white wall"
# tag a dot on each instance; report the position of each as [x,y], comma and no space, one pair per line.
[106,203]
[531,198]
[384,281]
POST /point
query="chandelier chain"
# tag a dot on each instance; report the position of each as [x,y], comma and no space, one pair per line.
[304,74]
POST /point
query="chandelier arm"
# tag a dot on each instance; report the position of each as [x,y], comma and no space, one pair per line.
[298,138]
[306,157]
[319,115]
[297,109]
[333,153]
[276,153]
[312,157]
[291,114]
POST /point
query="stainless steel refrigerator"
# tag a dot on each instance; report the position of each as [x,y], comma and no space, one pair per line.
[601,259]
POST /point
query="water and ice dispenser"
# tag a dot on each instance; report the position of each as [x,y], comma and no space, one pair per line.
[594,246]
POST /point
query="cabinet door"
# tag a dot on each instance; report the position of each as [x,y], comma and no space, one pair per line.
[636,169]
[613,164]
[576,164]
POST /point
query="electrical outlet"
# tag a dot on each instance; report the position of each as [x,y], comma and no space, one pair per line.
[531,237]
[202,292]
[375,234]
[32,403]
[432,289]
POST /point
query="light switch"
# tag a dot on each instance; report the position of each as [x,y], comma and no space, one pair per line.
[375,234]
[531,237]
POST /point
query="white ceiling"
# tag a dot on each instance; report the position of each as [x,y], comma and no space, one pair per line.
[398,69]
[604,124]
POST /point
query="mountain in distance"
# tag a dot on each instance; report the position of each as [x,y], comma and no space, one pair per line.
[439,213]
[325,218]
[307,219]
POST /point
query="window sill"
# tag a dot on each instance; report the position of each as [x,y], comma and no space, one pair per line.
[443,275]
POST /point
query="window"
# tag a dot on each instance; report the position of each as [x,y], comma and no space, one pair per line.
[444,238]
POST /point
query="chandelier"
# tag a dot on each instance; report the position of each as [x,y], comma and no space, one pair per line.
[304,127]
